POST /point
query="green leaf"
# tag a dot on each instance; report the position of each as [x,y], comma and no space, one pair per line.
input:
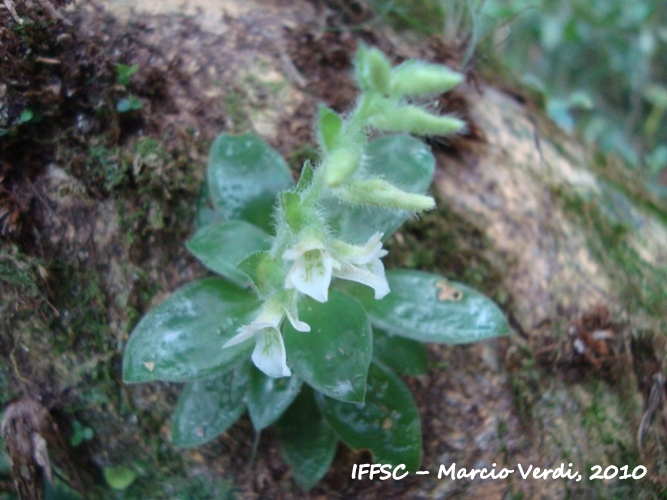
[559,112]
[266,272]
[405,356]
[130,103]
[308,443]
[221,247]
[329,125]
[205,210]
[429,308]
[182,338]
[269,397]
[388,424]
[399,159]
[306,177]
[334,356]
[125,73]
[297,216]
[244,176]
[26,116]
[208,407]
[119,477]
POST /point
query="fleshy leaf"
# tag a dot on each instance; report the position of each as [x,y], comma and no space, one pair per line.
[221,247]
[307,441]
[405,356]
[388,424]
[429,308]
[334,356]
[244,177]
[269,397]
[208,407]
[401,160]
[181,339]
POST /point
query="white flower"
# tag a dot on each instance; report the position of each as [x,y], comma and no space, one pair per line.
[363,264]
[269,354]
[311,272]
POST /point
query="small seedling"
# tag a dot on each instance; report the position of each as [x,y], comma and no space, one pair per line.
[125,73]
[131,102]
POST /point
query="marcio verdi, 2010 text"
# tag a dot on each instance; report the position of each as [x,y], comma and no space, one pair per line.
[387,471]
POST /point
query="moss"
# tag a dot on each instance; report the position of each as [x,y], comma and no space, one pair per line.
[83,322]
[235,103]
[456,249]
[175,481]
[262,87]
[640,286]
[162,191]
[24,309]
[102,168]
[17,274]
[629,182]
[425,17]
[524,381]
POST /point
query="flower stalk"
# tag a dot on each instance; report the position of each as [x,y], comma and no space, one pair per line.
[310,254]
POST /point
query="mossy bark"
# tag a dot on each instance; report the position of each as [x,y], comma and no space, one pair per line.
[564,239]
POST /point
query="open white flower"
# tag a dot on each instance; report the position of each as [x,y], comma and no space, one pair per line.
[311,272]
[269,354]
[363,264]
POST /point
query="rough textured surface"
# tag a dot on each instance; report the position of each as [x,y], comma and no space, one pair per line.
[538,222]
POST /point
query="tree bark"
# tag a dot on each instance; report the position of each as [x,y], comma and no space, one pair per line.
[563,238]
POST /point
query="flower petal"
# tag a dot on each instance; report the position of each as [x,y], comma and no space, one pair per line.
[244,333]
[303,247]
[311,274]
[269,354]
[293,318]
[371,251]
[371,275]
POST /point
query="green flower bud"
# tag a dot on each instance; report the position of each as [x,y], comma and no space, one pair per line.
[419,78]
[415,121]
[373,69]
[378,192]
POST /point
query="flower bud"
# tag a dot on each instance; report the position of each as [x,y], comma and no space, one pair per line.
[373,69]
[419,78]
[342,163]
[378,192]
[415,120]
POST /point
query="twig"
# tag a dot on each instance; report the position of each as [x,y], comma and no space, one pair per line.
[48,60]
[12,10]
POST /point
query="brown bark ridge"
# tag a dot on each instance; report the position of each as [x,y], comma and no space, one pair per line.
[571,246]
